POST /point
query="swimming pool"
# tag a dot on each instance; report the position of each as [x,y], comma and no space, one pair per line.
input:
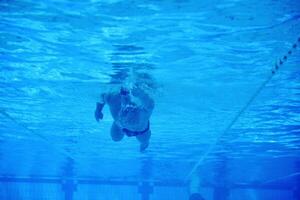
[223,125]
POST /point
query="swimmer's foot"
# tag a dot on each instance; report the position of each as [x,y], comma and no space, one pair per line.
[144,146]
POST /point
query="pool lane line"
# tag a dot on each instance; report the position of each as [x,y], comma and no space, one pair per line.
[43,138]
[274,70]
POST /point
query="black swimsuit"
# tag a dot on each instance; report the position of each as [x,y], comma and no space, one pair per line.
[130,133]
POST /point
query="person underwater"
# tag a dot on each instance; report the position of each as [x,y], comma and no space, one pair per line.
[131,109]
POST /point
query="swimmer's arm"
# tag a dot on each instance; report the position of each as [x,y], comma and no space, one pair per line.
[148,103]
[146,100]
[99,106]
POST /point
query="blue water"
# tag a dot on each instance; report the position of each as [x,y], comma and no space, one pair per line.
[206,60]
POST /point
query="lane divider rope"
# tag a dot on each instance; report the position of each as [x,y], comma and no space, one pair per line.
[274,69]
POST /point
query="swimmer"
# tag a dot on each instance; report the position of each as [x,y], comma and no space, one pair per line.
[131,110]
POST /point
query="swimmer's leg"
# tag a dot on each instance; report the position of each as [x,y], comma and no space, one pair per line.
[116,132]
[144,140]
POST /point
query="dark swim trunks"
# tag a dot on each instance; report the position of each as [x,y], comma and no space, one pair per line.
[130,133]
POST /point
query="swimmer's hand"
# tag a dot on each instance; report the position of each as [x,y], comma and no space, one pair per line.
[98,111]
